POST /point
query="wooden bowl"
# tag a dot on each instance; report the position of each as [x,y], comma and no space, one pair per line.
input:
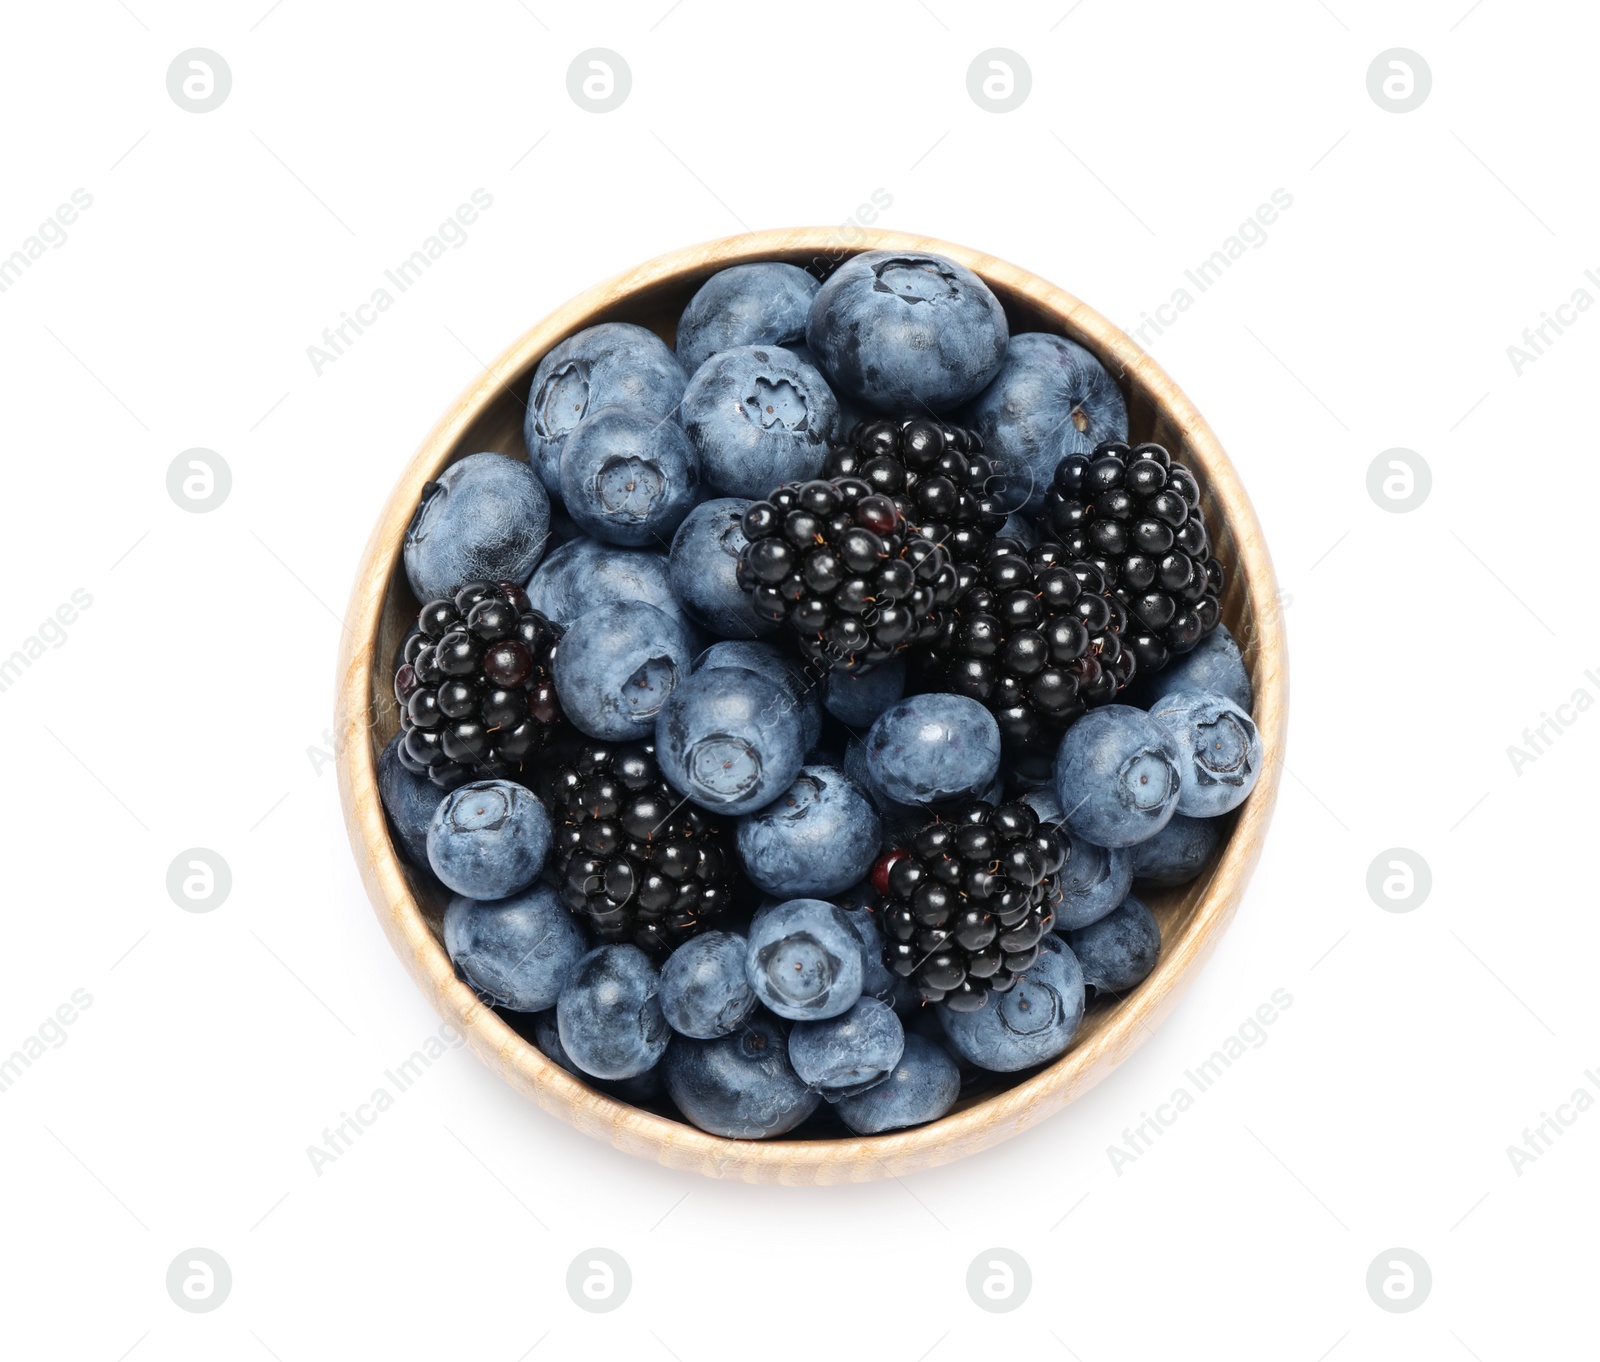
[489,416]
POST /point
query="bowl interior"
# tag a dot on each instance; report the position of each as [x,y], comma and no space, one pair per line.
[491,418]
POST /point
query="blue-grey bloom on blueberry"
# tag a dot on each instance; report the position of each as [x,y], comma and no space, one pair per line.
[1117,776]
[850,1053]
[816,839]
[616,667]
[609,1014]
[409,800]
[740,1086]
[728,739]
[857,699]
[804,959]
[1051,398]
[923,1087]
[488,840]
[613,364]
[585,574]
[1031,1023]
[486,518]
[770,660]
[933,749]
[1117,952]
[1176,854]
[704,992]
[516,951]
[760,416]
[906,331]
[639,1090]
[1214,664]
[761,303]
[704,564]
[1093,879]
[877,979]
[629,477]
[1221,749]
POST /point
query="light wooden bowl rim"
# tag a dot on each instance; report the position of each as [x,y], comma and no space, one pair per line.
[673,1143]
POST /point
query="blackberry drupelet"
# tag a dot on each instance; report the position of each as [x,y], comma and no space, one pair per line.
[936,474]
[474,686]
[1036,638]
[631,855]
[843,566]
[968,901]
[1135,514]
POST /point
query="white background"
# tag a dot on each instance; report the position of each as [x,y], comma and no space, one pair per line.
[188,705]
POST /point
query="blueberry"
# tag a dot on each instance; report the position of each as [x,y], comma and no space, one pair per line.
[904,331]
[1221,750]
[485,519]
[488,840]
[1020,528]
[704,566]
[409,800]
[933,749]
[759,416]
[769,660]
[638,1090]
[516,951]
[704,992]
[922,1088]
[740,1086]
[1031,1023]
[1051,398]
[613,364]
[1117,952]
[877,979]
[817,838]
[728,738]
[585,574]
[850,1053]
[1093,879]
[804,959]
[857,700]
[616,667]
[1117,776]
[764,303]
[1213,664]
[1176,854]
[629,477]
[609,1015]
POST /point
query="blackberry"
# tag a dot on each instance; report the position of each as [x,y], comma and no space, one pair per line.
[474,686]
[1036,638]
[1135,514]
[632,857]
[936,474]
[843,566]
[968,901]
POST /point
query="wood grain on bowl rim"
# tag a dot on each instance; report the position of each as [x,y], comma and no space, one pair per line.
[1192,917]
